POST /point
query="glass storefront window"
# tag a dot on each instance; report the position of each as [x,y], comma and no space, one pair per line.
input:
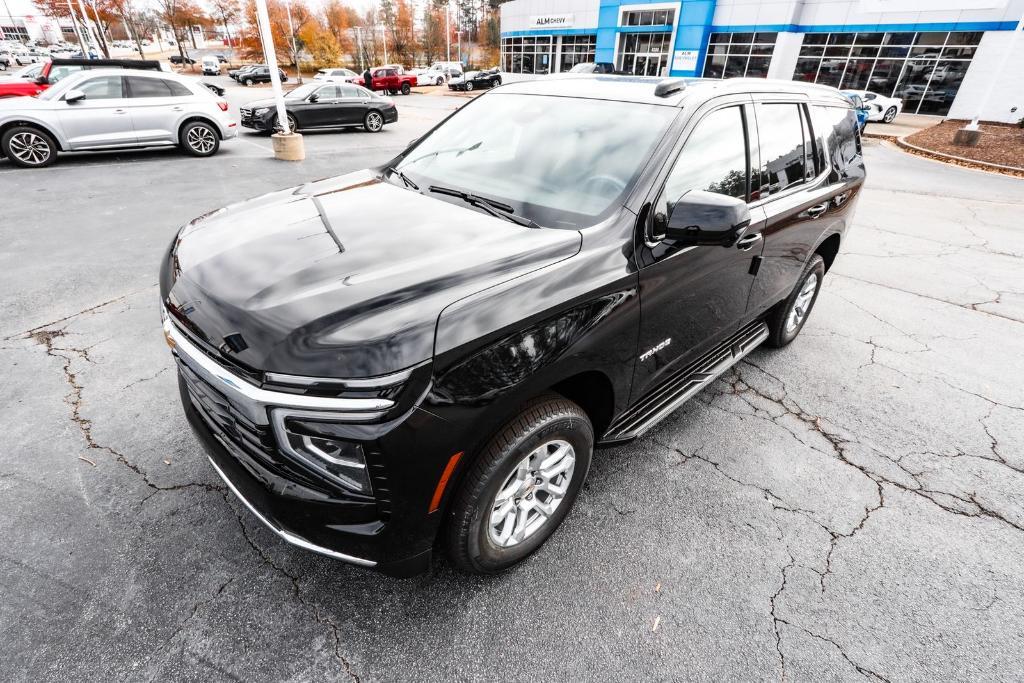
[576,50]
[924,68]
[732,55]
[529,55]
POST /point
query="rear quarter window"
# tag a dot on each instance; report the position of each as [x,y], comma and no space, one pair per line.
[836,130]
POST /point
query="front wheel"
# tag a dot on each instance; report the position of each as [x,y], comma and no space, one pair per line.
[247,82]
[200,139]
[469,85]
[29,147]
[406,89]
[890,114]
[790,316]
[293,125]
[521,486]
[373,121]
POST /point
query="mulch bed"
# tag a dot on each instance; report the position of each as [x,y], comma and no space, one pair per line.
[1001,143]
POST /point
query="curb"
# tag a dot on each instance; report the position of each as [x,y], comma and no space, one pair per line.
[955,160]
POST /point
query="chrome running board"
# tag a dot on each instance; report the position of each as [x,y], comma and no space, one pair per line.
[683,384]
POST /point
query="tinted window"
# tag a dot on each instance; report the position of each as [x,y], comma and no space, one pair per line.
[714,159]
[178,90]
[103,88]
[783,152]
[838,127]
[352,91]
[148,87]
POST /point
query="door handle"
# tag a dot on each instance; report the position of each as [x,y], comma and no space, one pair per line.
[120,111]
[177,108]
[817,210]
[747,243]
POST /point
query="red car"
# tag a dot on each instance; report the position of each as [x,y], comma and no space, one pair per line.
[57,69]
[388,79]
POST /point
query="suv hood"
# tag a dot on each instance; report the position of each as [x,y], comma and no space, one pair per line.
[344,277]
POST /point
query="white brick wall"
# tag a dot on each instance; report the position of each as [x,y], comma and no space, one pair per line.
[1009,86]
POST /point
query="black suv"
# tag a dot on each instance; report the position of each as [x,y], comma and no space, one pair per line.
[258,74]
[431,350]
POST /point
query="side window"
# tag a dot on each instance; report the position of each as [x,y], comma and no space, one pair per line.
[783,147]
[148,87]
[103,88]
[714,159]
[59,72]
[178,90]
[352,92]
[328,92]
[839,128]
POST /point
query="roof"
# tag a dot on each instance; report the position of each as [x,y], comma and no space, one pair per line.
[640,89]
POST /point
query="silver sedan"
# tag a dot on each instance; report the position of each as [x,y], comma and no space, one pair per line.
[113,109]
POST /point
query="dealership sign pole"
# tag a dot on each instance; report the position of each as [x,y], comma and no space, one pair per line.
[287,145]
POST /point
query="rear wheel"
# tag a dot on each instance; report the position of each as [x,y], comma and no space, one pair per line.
[247,82]
[373,121]
[29,147]
[790,316]
[440,80]
[406,89]
[469,85]
[200,139]
[890,114]
[521,487]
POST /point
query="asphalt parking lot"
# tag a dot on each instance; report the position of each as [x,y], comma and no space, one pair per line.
[850,507]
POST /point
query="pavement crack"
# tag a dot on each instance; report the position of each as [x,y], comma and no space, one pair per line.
[295,580]
[862,670]
[85,311]
[776,620]
[146,379]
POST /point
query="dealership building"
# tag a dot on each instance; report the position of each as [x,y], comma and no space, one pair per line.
[942,57]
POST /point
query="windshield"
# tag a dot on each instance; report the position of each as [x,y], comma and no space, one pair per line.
[303,91]
[560,161]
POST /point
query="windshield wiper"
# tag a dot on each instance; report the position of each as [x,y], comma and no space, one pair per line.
[496,209]
[404,178]
[459,151]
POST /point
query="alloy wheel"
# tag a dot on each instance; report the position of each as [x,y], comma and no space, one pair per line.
[201,139]
[531,493]
[802,304]
[30,148]
[890,114]
[374,121]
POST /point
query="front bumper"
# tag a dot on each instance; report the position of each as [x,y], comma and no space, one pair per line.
[248,120]
[391,530]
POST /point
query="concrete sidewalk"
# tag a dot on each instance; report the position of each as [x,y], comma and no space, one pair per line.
[902,125]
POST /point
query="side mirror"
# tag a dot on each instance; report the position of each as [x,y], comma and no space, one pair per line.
[413,142]
[701,218]
[74,95]
[41,80]
[314,98]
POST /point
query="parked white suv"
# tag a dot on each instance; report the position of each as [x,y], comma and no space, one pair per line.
[113,109]
[439,73]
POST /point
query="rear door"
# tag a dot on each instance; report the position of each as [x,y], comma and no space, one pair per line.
[799,197]
[102,118]
[156,106]
[353,105]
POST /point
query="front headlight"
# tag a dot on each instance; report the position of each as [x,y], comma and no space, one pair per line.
[312,439]
[261,111]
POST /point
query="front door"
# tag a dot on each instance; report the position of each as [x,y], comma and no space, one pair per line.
[322,112]
[103,118]
[693,297]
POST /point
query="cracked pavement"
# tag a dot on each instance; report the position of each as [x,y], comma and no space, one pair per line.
[848,508]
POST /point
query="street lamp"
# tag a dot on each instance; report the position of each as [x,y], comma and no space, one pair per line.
[287,143]
[295,50]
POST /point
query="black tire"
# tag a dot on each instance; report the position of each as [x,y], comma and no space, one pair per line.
[469,85]
[293,125]
[406,89]
[496,82]
[440,80]
[29,147]
[247,82]
[373,122]
[199,139]
[780,331]
[541,423]
[890,114]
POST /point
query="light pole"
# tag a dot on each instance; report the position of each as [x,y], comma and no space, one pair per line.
[74,23]
[447,33]
[287,144]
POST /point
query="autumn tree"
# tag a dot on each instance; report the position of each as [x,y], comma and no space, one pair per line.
[339,20]
[227,12]
[320,42]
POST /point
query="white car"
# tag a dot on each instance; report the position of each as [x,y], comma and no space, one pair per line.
[880,108]
[113,109]
[439,73]
[335,75]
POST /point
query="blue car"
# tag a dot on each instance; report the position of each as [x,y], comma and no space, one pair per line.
[860,106]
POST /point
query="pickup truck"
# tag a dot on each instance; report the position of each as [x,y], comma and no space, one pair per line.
[56,69]
[389,80]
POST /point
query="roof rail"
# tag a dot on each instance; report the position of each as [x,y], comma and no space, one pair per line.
[669,86]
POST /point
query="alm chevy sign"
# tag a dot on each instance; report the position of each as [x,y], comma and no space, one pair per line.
[552,21]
